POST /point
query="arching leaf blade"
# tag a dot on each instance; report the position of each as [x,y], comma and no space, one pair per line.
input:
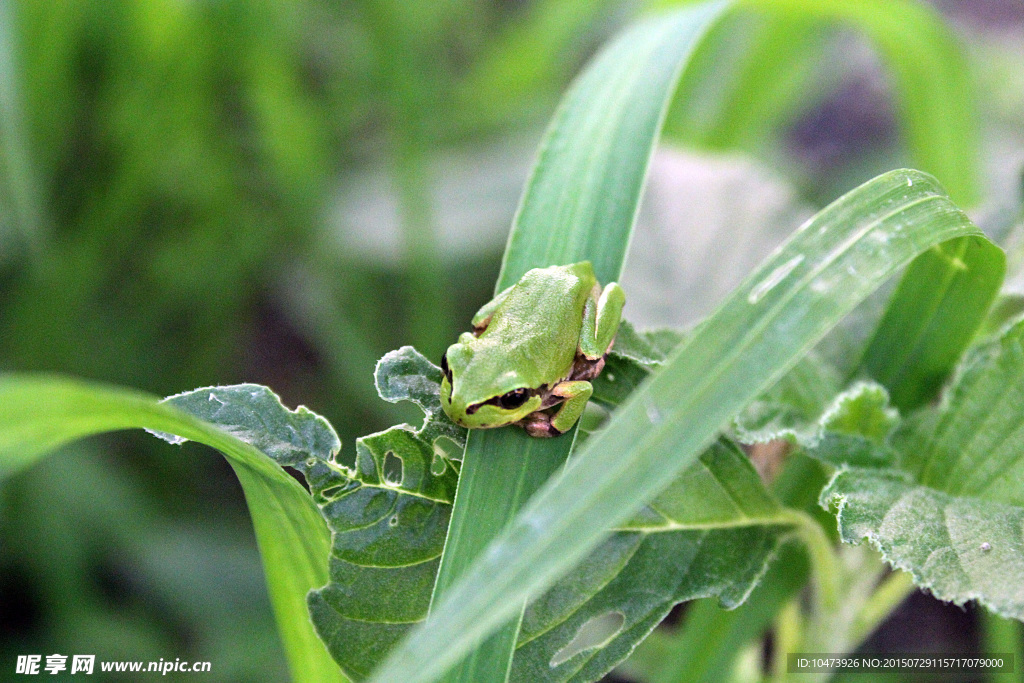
[930,74]
[40,413]
[939,305]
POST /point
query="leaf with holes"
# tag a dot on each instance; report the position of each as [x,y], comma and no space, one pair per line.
[388,518]
[951,511]
[795,298]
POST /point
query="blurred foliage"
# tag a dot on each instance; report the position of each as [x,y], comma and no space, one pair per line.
[167,168]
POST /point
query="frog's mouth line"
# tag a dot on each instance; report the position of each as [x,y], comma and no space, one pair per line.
[543,391]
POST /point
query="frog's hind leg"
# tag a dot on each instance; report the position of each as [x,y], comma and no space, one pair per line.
[575,396]
[601,316]
[483,316]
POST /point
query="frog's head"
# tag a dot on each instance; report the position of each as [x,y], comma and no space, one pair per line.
[479,389]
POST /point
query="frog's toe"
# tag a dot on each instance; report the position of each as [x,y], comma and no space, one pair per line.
[539,424]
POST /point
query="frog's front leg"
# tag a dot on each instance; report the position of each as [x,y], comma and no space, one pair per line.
[601,316]
[483,316]
[576,395]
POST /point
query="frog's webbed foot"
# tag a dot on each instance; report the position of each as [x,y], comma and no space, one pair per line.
[574,396]
[539,424]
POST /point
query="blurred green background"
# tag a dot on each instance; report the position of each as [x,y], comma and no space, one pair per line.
[199,192]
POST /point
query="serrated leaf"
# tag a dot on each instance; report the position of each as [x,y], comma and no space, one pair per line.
[254,414]
[686,653]
[958,548]
[851,430]
[952,511]
[862,410]
[406,375]
[40,413]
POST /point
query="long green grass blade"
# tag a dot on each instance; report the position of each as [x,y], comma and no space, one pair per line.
[940,303]
[579,204]
[583,195]
[40,413]
[19,186]
[829,266]
[745,80]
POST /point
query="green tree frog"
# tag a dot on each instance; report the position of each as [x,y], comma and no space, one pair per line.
[532,351]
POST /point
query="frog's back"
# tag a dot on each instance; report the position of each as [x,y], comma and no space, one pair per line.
[539,323]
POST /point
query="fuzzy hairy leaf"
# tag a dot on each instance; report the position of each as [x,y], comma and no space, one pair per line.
[958,548]
[951,511]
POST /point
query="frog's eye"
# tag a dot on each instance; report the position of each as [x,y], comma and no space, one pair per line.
[445,370]
[513,399]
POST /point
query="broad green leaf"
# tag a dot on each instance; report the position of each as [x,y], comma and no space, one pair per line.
[864,411]
[40,413]
[958,548]
[579,204]
[855,429]
[405,375]
[711,533]
[952,510]
[685,655]
[975,446]
[762,330]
